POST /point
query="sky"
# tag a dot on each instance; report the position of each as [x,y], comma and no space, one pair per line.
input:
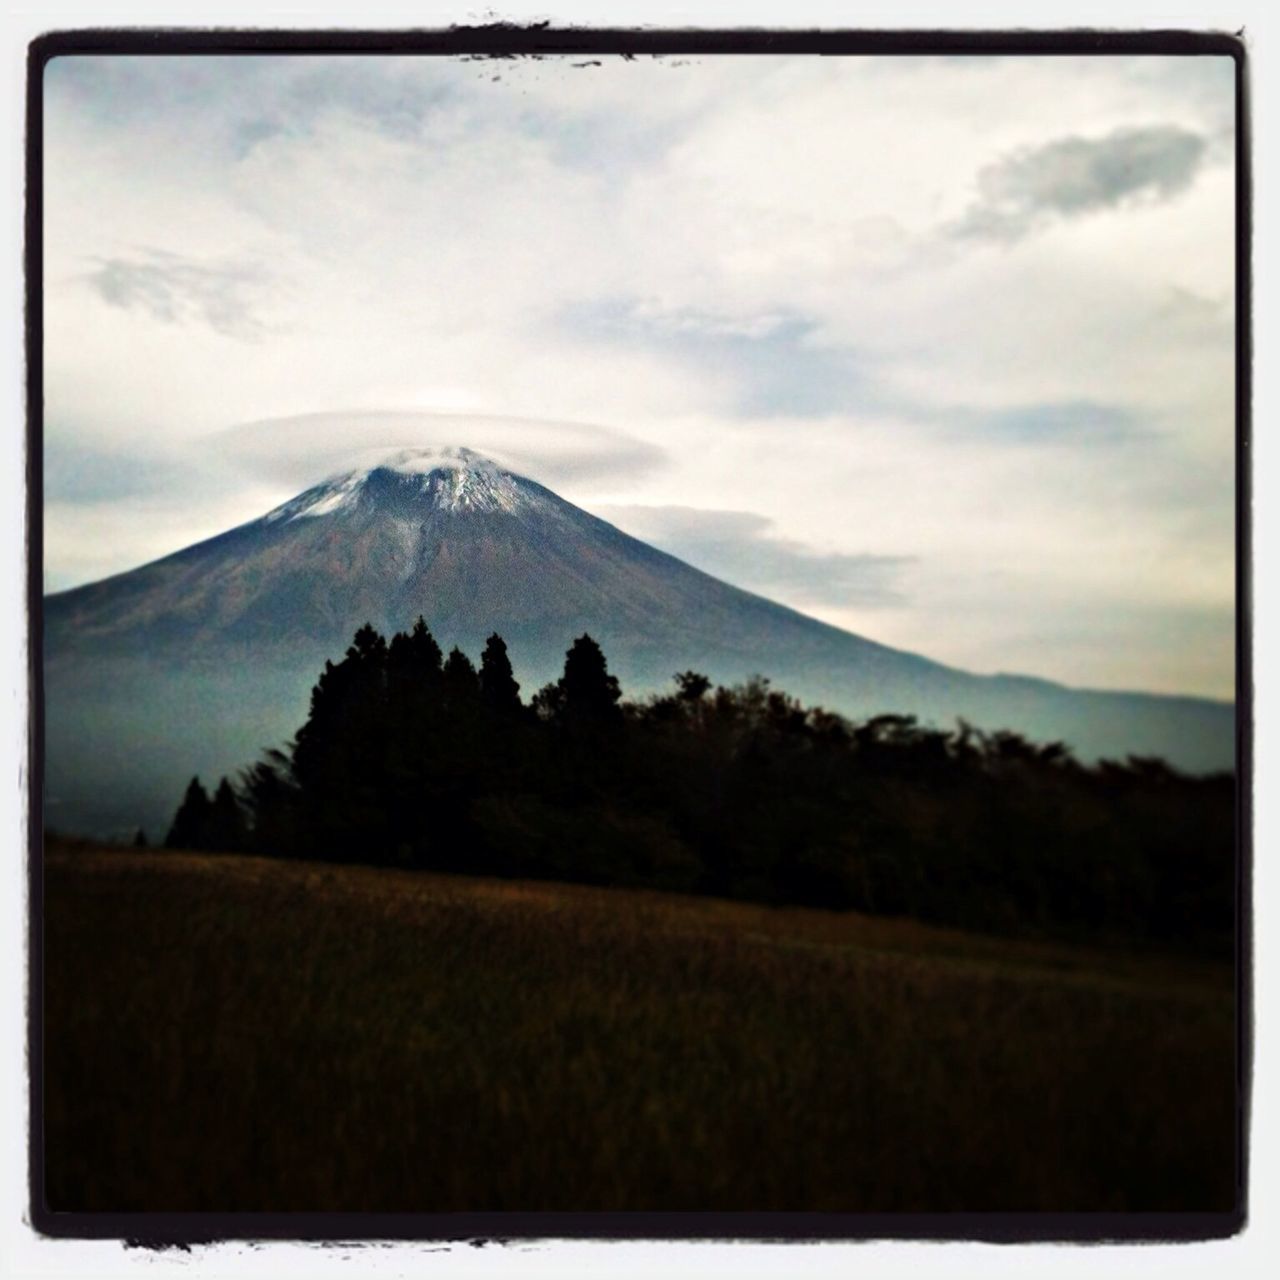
[940,351]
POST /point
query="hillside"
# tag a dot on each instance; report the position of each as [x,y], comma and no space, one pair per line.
[227,1033]
[197,661]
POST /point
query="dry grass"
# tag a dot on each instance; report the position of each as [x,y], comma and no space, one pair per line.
[240,1034]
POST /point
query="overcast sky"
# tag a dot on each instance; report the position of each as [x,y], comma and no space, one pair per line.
[940,351]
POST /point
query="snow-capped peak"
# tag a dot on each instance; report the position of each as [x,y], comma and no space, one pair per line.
[444,478]
[450,457]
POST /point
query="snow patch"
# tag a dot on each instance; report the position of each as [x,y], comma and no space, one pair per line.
[467,489]
[333,495]
[450,478]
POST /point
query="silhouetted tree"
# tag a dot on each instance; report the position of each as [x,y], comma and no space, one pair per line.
[692,686]
[459,674]
[739,791]
[345,700]
[427,655]
[413,692]
[368,643]
[413,664]
[497,681]
[191,822]
[225,829]
[140,840]
[339,757]
[589,694]
[273,802]
[548,702]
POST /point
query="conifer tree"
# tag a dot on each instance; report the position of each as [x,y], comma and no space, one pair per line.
[272,799]
[498,683]
[426,652]
[413,658]
[226,826]
[589,694]
[339,754]
[367,644]
[345,703]
[459,674]
[191,822]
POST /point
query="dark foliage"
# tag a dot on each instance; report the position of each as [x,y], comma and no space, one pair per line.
[740,792]
[497,680]
[589,695]
[226,829]
[459,675]
[200,823]
[191,820]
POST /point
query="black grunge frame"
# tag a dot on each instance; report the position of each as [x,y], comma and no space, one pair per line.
[537,40]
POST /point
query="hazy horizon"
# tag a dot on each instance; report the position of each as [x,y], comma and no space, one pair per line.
[940,351]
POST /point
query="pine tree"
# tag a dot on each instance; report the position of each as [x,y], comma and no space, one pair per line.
[226,825]
[413,683]
[459,675]
[346,702]
[589,694]
[367,644]
[339,755]
[498,684]
[191,822]
[273,802]
[413,660]
[426,652]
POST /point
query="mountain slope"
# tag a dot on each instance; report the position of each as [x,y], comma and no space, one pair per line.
[466,544]
[198,660]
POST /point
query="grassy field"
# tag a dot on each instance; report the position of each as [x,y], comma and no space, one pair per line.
[229,1033]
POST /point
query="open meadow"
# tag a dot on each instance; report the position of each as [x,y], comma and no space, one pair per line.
[230,1033]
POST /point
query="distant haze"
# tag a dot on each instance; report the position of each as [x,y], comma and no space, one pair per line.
[939,351]
[197,662]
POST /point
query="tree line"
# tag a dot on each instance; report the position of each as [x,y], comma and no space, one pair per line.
[414,759]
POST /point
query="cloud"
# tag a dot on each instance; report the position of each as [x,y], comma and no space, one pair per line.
[1073,176]
[77,471]
[766,364]
[742,547]
[114,504]
[745,272]
[176,290]
[1054,422]
[303,449]
[231,104]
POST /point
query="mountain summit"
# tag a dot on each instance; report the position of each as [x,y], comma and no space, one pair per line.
[465,542]
[197,660]
[453,479]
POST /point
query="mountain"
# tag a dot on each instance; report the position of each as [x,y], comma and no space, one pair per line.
[197,661]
